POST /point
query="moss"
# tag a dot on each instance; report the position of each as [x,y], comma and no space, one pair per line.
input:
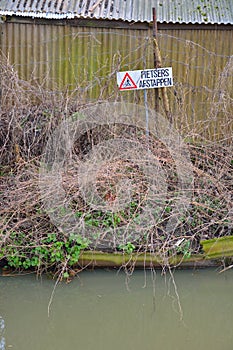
[218,247]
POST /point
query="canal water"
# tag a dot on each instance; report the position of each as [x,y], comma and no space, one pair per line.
[104,310]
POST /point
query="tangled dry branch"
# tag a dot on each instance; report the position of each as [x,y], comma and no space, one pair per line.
[29,115]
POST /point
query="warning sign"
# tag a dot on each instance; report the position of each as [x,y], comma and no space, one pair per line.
[127,83]
[145,79]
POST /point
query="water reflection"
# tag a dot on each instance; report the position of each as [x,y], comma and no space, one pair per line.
[2,338]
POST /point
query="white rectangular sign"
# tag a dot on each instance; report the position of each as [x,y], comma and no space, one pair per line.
[145,79]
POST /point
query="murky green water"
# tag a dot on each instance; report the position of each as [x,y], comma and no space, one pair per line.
[99,311]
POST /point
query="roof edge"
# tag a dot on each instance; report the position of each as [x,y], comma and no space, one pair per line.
[72,15]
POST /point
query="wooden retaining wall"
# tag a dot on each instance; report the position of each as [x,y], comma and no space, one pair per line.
[214,253]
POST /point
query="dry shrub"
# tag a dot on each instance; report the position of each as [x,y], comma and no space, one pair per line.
[29,115]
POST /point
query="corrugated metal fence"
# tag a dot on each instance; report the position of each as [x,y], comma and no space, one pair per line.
[86,60]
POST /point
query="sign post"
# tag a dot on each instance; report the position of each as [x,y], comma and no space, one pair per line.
[145,79]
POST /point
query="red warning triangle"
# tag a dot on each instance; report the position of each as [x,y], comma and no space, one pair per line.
[127,83]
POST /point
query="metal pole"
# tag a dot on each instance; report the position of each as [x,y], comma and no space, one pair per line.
[147,117]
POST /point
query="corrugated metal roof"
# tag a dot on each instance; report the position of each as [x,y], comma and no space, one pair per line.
[169,11]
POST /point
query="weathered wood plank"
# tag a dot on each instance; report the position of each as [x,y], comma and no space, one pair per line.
[218,248]
[214,250]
